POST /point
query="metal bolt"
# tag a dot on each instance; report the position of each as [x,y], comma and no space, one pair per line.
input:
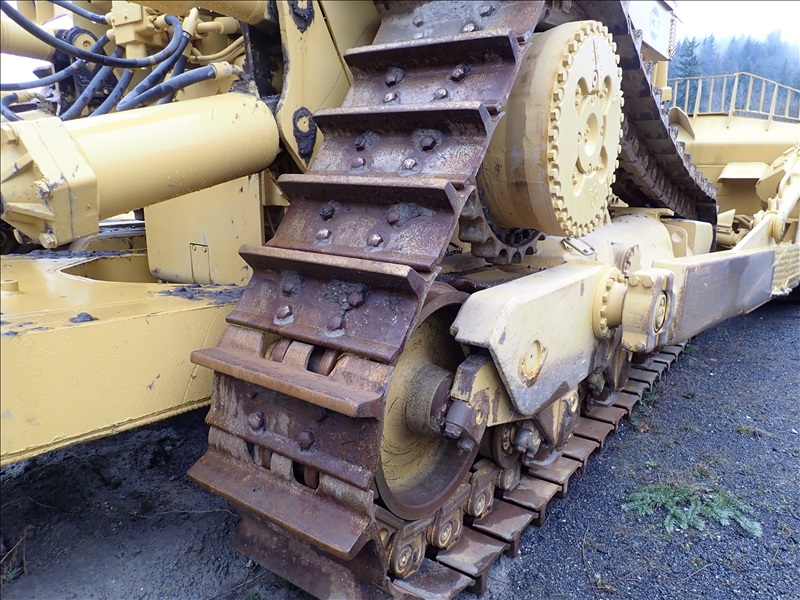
[465,444]
[389,97]
[358,163]
[440,94]
[633,280]
[469,27]
[335,323]
[284,312]
[394,76]
[256,420]
[626,344]
[428,143]
[409,164]
[485,10]
[327,212]
[445,534]
[647,282]
[452,431]
[355,299]
[459,72]
[306,440]
[393,216]
[418,21]
[480,503]
[323,234]
[288,287]
[375,240]
[360,143]
[640,347]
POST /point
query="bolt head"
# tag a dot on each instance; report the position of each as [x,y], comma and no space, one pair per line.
[440,94]
[469,28]
[394,76]
[640,347]
[256,420]
[485,10]
[409,164]
[327,212]
[428,143]
[452,431]
[284,312]
[389,97]
[633,280]
[647,282]
[355,299]
[375,240]
[306,440]
[393,216]
[287,287]
[323,234]
[459,72]
[465,444]
[360,143]
[418,21]
[358,163]
[335,323]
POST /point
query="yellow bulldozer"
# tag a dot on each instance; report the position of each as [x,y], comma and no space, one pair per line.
[420,257]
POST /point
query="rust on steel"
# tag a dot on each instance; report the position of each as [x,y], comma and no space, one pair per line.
[303,369]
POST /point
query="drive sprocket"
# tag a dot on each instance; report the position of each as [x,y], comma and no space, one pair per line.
[556,177]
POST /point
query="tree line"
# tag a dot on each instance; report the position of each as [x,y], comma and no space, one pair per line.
[773,58]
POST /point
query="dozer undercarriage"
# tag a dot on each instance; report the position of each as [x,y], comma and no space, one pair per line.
[492,248]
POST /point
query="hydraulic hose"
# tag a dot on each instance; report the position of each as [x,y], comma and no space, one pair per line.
[5,107]
[81,12]
[116,93]
[93,57]
[157,75]
[181,81]
[87,95]
[177,70]
[55,77]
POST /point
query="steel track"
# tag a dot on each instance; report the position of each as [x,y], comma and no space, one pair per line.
[304,366]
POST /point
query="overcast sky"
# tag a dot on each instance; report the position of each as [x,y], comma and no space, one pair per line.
[728,18]
[699,18]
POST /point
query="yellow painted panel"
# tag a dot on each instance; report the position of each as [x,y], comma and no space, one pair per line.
[65,381]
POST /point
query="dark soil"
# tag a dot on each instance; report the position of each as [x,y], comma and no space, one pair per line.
[118,518]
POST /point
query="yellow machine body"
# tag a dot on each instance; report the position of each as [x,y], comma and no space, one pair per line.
[419,255]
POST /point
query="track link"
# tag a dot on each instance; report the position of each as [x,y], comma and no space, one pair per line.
[303,369]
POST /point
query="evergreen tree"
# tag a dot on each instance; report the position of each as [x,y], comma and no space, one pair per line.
[709,56]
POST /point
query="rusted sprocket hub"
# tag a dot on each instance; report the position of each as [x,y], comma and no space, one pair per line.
[552,160]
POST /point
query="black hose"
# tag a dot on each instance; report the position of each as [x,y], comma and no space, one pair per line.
[5,107]
[55,77]
[115,94]
[81,12]
[156,76]
[90,56]
[179,67]
[87,95]
[172,85]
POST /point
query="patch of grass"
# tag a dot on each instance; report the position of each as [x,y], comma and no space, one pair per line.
[253,596]
[745,430]
[690,349]
[690,506]
[650,465]
[10,574]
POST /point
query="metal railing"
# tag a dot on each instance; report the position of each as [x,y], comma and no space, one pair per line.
[740,95]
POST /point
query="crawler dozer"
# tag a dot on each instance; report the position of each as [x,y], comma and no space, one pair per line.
[424,255]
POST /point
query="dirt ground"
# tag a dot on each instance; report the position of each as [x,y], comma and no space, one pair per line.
[118,518]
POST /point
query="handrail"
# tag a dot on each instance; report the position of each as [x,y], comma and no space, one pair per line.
[737,95]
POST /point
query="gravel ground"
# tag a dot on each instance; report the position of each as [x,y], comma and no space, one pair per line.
[118,518]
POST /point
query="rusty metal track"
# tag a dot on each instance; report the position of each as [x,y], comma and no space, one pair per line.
[303,369]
